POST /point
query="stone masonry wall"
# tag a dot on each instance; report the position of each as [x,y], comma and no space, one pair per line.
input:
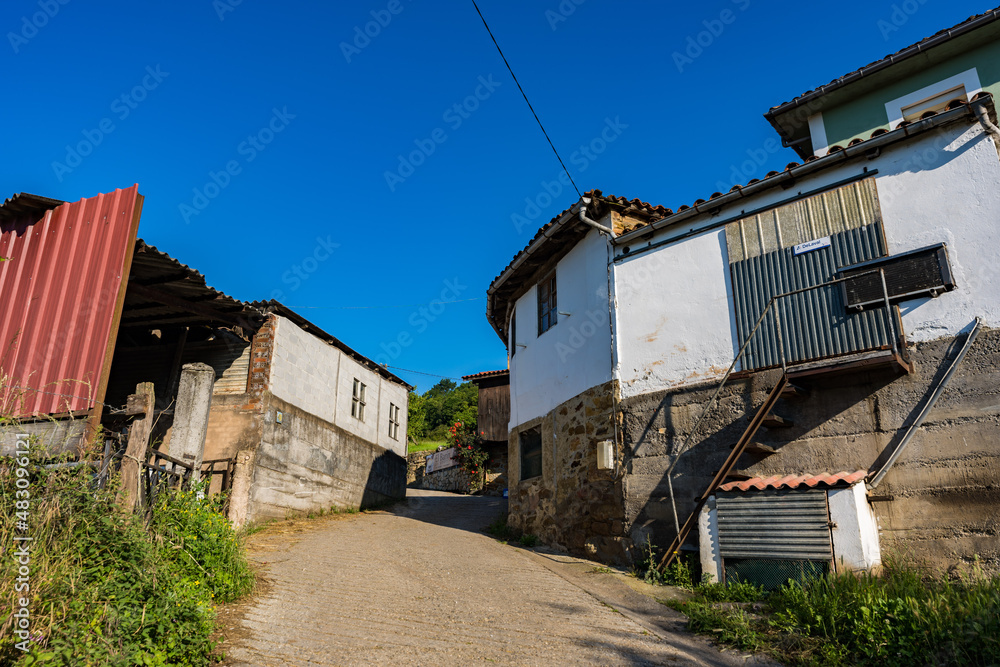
[572,506]
[945,487]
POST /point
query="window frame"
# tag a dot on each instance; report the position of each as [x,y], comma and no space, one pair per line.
[394,421]
[548,314]
[969,79]
[358,401]
[523,455]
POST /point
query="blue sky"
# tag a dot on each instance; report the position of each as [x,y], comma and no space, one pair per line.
[358,178]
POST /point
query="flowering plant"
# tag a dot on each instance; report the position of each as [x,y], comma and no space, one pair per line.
[469,452]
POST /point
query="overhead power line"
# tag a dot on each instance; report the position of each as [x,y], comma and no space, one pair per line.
[433,375]
[402,305]
[558,157]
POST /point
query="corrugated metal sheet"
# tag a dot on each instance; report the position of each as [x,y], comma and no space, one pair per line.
[791,525]
[814,324]
[849,207]
[61,295]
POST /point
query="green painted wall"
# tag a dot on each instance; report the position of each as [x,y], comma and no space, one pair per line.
[861,117]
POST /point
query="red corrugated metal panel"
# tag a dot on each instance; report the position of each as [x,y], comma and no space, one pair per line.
[60,301]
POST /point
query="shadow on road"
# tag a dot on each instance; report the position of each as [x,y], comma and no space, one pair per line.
[451,510]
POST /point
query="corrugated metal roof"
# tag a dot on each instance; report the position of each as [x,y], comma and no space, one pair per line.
[61,292]
[797,481]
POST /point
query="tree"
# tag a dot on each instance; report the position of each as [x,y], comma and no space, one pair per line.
[434,412]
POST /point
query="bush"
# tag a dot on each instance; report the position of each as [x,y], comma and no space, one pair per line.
[679,573]
[104,589]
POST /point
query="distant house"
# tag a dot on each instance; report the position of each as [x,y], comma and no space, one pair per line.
[90,311]
[842,288]
[494,416]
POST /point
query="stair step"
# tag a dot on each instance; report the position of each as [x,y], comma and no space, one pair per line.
[774,421]
[758,449]
[794,391]
[739,475]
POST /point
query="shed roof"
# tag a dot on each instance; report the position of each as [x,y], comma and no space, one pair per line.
[823,480]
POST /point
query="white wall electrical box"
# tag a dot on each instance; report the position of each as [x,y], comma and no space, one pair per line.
[605,455]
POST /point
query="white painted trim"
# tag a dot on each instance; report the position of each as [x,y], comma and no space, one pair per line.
[817,133]
[969,79]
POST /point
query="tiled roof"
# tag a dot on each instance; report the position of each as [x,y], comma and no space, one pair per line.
[486,374]
[822,480]
[922,46]
[793,169]
[595,210]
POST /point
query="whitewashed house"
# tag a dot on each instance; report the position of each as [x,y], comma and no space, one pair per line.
[622,320]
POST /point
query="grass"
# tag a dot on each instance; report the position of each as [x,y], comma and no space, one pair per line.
[426,446]
[107,588]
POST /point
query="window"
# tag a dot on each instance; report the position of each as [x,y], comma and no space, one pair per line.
[531,453]
[935,97]
[513,334]
[358,400]
[394,421]
[547,315]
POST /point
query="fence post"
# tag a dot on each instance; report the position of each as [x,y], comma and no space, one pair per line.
[194,402]
[239,496]
[141,403]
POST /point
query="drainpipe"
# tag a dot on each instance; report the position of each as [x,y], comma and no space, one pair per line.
[593,223]
[984,119]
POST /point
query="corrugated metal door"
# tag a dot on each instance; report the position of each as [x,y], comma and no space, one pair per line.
[845,226]
[813,324]
[774,525]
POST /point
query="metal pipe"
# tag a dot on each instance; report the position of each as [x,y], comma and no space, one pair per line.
[888,312]
[593,223]
[984,120]
[927,408]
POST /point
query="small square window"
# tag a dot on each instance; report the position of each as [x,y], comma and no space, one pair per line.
[394,421]
[547,314]
[358,400]
[531,453]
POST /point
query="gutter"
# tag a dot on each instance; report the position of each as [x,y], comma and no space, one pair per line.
[791,175]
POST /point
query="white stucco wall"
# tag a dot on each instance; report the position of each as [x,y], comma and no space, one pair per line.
[855,533]
[674,322]
[318,378]
[946,188]
[575,354]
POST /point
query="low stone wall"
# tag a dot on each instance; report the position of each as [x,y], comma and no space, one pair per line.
[451,479]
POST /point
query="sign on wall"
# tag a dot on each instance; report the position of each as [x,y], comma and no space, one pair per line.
[441,460]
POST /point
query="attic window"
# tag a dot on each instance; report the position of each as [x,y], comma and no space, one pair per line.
[936,103]
[935,97]
[547,314]
[358,400]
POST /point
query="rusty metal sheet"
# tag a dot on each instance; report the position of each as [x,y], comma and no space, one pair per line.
[61,293]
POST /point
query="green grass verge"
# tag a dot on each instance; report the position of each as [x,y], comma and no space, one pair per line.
[426,446]
[105,588]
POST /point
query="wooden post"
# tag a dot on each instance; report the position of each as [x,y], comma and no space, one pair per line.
[141,403]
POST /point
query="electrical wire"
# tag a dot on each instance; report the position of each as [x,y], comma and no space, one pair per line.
[433,375]
[403,305]
[525,96]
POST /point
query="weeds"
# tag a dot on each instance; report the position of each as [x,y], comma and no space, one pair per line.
[528,540]
[107,590]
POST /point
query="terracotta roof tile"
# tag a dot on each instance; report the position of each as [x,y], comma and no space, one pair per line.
[486,374]
[822,480]
[913,49]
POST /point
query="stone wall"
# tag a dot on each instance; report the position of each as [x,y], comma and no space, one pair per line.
[945,487]
[572,506]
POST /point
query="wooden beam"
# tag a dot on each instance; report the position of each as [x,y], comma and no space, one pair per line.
[151,294]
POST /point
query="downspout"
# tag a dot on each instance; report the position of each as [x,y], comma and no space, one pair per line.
[984,120]
[593,223]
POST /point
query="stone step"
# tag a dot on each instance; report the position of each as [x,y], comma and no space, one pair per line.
[774,421]
[794,391]
[758,449]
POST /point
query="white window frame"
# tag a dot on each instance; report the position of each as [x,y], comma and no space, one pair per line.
[394,421]
[358,400]
[969,79]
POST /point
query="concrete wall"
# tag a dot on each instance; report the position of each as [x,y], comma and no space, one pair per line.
[318,378]
[305,463]
[575,354]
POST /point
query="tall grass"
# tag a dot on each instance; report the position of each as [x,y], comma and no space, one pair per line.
[105,589]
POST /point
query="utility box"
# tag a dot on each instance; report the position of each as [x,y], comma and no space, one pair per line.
[605,455]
